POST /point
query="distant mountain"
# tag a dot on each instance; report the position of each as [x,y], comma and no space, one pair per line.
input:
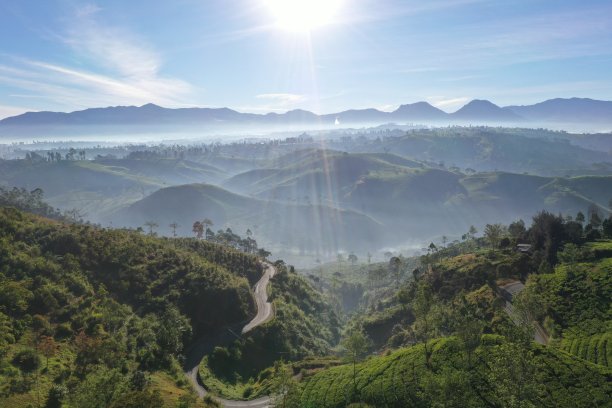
[419,111]
[483,110]
[566,110]
[573,110]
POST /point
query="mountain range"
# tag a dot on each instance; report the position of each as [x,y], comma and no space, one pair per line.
[572,110]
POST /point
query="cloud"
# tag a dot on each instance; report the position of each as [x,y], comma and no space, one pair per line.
[6,111]
[117,68]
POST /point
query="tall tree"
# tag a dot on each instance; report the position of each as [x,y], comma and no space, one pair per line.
[206,224]
[198,229]
[356,344]
[493,233]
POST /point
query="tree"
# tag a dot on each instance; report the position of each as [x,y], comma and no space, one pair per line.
[262,253]
[517,229]
[282,384]
[356,344]
[206,224]
[513,375]
[607,227]
[198,229]
[57,393]
[547,233]
[422,307]
[99,389]
[472,232]
[152,225]
[352,258]
[395,266]
[47,347]
[468,328]
[595,220]
[493,233]
[580,217]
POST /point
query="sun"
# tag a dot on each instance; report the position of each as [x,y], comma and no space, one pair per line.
[304,15]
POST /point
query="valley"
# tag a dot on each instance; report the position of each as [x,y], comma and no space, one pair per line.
[370,271]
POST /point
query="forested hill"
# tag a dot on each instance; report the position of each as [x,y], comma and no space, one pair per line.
[96,317]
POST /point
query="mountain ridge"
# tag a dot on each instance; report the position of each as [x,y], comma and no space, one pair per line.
[558,109]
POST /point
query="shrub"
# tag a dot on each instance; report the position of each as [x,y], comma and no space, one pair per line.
[27,360]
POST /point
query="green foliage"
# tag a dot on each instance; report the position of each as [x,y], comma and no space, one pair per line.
[503,375]
[27,360]
[596,348]
[304,326]
[103,305]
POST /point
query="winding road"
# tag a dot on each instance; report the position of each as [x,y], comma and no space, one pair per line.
[265,313]
[512,289]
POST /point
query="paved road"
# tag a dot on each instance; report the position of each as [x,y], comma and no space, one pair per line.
[264,308]
[512,289]
[265,312]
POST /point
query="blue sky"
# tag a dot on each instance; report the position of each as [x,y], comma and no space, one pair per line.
[65,55]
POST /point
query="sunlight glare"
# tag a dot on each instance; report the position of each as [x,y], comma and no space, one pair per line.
[304,15]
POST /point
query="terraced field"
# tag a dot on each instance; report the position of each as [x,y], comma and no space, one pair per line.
[596,349]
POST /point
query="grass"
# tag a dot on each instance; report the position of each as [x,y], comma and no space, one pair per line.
[170,391]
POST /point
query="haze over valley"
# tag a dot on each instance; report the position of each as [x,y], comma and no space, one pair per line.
[305,203]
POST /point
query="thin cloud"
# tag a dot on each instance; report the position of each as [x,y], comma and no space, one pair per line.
[122,69]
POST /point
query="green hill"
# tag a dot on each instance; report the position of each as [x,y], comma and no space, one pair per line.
[317,175]
[503,374]
[300,226]
[100,186]
[91,315]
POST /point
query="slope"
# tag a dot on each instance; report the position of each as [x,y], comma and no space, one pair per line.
[301,226]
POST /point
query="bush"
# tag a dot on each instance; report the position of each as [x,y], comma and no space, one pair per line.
[27,360]
[63,331]
[57,393]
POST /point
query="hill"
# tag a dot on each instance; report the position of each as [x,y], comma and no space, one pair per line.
[321,227]
[108,307]
[542,377]
[99,186]
[401,193]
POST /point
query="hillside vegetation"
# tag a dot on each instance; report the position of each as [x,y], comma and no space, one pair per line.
[95,317]
[304,326]
[502,374]
[448,338]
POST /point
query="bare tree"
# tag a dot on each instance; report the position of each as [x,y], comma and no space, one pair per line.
[152,225]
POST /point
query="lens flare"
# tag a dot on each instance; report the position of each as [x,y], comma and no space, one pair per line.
[304,15]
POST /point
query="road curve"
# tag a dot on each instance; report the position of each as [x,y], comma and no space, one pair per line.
[513,288]
[264,308]
[265,312]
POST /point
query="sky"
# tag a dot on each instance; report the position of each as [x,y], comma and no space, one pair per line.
[320,55]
